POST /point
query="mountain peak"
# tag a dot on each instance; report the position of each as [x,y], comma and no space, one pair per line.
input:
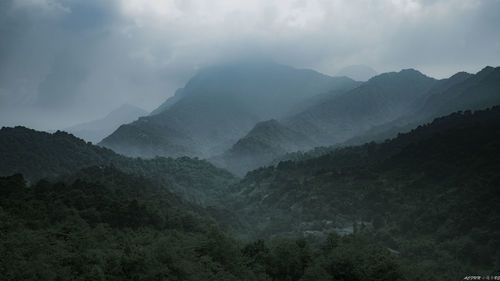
[408,73]
[460,75]
[487,70]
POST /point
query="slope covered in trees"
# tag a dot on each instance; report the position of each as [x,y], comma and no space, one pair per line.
[430,194]
[330,118]
[102,224]
[42,155]
[381,108]
[382,99]
[265,142]
[462,91]
[422,206]
[106,225]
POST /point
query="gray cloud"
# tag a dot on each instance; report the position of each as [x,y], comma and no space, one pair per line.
[80,59]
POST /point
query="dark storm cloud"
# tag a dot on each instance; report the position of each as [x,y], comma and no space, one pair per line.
[78,59]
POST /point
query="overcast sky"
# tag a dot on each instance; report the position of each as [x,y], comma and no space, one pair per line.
[68,61]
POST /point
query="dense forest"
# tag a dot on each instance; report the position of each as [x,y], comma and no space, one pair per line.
[107,225]
[421,206]
[268,140]
[430,195]
[39,155]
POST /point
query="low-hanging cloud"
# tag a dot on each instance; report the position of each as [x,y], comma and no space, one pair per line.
[80,59]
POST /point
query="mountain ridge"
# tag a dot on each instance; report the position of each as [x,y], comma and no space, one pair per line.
[218,106]
[380,108]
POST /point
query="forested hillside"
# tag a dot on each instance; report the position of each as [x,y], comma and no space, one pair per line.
[378,109]
[42,155]
[462,91]
[422,206]
[429,194]
[381,99]
[403,209]
[102,224]
[249,140]
[267,141]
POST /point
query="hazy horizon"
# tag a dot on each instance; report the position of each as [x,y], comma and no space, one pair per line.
[65,62]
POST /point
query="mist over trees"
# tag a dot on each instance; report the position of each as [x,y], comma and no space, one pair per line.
[419,206]
[262,140]
[228,114]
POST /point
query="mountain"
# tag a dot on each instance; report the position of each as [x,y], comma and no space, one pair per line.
[376,110]
[39,155]
[382,99]
[95,131]
[430,195]
[266,141]
[478,91]
[218,106]
[462,91]
[420,206]
[357,72]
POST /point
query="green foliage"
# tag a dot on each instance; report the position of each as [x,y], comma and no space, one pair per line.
[120,227]
[422,206]
[39,155]
[430,195]
[115,227]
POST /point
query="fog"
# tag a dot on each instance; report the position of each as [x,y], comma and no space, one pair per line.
[65,61]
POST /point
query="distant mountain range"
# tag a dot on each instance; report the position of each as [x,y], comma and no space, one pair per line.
[95,131]
[220,105]
[242,116]
[376,110]
[462,91]
[382,99]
